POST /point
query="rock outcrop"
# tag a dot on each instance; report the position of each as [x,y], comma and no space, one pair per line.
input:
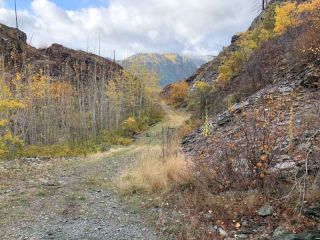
[57,61]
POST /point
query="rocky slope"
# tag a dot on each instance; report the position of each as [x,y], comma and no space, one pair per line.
[256,159]
[284,117]
[170,67]
[57,61]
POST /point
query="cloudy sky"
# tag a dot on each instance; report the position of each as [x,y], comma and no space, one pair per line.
[199,27]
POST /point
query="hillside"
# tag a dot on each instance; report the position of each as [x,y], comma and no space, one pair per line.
[57,61]
[255,156]
[60,101]
[170,67]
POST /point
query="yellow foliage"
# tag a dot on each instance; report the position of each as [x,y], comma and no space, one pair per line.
[309,6]
[3,122]
[7,104]
[229,68]
[202,87]
[131,125]
[286,16]
[265,35]
[18,77]
[38,86]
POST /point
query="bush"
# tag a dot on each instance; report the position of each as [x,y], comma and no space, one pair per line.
[115,138]
[234,62]
[154,115]
[130,127]
[200,93]
[179,94]
[291,14]
[59,150]
[10,146]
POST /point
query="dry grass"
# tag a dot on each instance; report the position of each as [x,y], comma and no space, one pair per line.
[153,174]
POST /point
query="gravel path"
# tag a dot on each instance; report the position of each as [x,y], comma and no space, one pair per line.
[71,200]
[75,198]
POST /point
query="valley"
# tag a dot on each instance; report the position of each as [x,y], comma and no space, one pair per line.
[160,145]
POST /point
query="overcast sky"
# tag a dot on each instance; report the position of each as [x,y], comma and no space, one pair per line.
[199,27]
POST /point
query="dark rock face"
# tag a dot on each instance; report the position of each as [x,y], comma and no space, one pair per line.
[77,65]
[57,61]
[9,34]
[313,211]
[306,235]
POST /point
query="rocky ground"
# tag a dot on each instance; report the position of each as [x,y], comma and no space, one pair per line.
[70,199]
[285,115]
[73,198]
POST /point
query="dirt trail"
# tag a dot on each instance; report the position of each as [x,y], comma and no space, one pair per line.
[74,198]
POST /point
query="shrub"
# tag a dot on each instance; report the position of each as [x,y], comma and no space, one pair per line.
[179,94]
[291,14]
[115,138]
[60,150]
[130,126]
[285,17]
[234,62]
[10,146]
[189,126]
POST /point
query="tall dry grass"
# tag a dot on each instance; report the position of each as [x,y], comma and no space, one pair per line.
[154,174]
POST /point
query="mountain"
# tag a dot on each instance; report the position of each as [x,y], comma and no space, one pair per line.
[170,67]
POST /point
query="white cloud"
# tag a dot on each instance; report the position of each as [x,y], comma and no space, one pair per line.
[131,26]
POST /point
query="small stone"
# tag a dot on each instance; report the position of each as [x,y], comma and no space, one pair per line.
[224,119]
[304,146]
[264,236]
[241,236]
[280,231]
[222,232]
[208,216]
[214,229]
[285,165]
[265,211]
[285,89]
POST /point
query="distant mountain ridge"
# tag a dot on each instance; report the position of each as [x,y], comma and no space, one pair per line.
[171,67]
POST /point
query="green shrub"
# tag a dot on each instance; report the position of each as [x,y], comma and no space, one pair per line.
[60,150]
[10,146]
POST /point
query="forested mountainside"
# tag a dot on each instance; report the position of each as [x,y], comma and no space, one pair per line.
[59,96]
[255,156]
[170,67]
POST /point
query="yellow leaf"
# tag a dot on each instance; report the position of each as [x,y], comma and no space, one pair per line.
[237,225]
[264,157]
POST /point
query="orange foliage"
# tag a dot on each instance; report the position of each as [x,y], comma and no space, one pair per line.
[179,93]
[59,89]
